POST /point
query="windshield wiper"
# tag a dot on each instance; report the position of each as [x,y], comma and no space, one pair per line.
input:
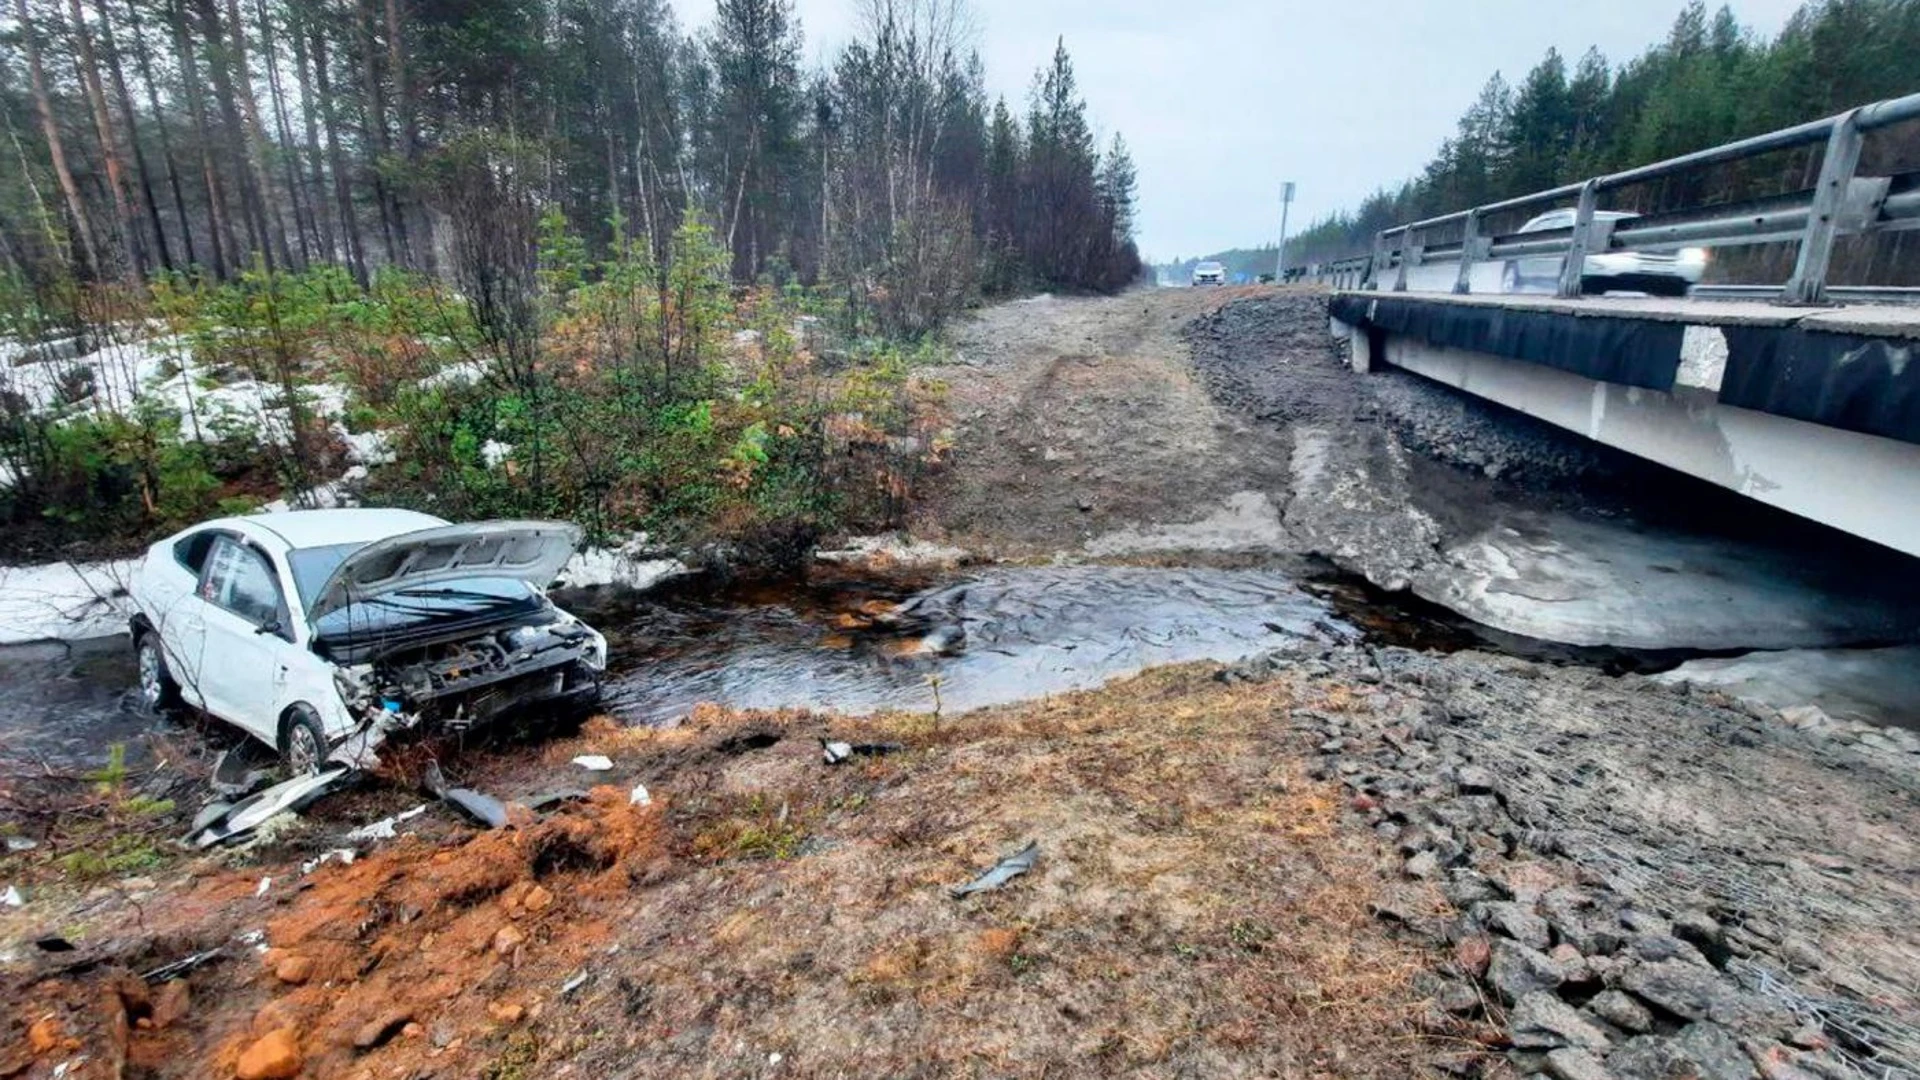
[462,594]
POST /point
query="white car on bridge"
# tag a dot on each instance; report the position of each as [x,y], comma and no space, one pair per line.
[1654,273]
[308,628]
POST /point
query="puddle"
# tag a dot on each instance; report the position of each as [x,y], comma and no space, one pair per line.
[65,703]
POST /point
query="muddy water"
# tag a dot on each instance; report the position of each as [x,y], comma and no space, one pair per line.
[63,704]
[994,637]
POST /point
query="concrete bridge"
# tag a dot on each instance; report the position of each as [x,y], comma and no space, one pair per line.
[1813,410]
[1790,397]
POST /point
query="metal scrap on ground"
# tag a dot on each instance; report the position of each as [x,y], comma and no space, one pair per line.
[1002,872]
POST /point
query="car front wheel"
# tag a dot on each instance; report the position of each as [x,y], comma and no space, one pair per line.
[158,691]
[303,741]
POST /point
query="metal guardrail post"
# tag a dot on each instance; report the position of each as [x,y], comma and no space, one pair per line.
[1469,251]
[1808,285]
[1377,263]
[1407,255]
[1575,267]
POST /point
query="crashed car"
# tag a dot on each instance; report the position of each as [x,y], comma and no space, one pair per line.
[319,632]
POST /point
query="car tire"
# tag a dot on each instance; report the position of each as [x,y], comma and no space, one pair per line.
[303,741]
[158,692]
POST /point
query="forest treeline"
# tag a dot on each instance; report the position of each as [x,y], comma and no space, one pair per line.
[1709,82]
[219,136]
[508,257]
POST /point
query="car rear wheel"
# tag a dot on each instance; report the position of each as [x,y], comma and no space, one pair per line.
[303,741]
[158,691]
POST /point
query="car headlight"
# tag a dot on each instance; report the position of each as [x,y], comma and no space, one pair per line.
[1696,255]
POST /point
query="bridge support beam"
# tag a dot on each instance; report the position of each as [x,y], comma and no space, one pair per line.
[1863,484]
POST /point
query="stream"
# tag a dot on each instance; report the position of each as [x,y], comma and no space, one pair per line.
[857,644]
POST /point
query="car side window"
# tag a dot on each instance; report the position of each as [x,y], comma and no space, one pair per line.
[191,552]
[238,579]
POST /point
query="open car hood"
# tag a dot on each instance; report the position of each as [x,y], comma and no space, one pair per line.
[533,551]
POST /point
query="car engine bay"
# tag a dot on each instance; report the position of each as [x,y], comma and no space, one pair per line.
[467,680]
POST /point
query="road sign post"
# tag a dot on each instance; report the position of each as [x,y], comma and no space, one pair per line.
[1280,261]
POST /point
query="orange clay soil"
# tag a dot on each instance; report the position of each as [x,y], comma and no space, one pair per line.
[1197,909]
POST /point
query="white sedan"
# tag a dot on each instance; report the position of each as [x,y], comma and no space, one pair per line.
[1654,273]
[317,631]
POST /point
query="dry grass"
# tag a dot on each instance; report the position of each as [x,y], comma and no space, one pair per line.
[1198,909]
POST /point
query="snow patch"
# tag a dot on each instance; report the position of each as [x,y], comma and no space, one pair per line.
[894,550]
[64,601]
[629,566]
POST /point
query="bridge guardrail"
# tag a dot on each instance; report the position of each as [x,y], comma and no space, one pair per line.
[1840,203]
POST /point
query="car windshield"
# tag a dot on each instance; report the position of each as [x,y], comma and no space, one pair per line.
[312,567]
[443,602]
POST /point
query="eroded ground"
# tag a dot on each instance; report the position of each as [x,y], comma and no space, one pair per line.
[1196,910]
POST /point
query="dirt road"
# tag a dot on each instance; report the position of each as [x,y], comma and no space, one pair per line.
[1080,417]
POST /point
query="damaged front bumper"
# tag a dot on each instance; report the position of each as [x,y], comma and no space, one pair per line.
[456,686]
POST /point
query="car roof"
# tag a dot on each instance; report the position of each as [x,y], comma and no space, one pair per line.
[291,530]
[1560,219]
[1208,265]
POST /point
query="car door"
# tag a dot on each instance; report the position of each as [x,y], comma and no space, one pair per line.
[245,650]
[171,599]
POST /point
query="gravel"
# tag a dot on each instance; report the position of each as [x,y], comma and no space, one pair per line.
[1673,886]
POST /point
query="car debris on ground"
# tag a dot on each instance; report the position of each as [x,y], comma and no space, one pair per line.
[837,752]
[223,823]
[479,808]
[1002,872]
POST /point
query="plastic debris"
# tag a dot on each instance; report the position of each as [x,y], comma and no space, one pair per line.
[235,778]
[837,752]
[290,796]
[594,762]
[540,804]
[1002,872]
[480,809]
[265,884]
[385,828]
[12,897]
[177,968]
[640,796]
[17,844]
[579,980]
[344,856]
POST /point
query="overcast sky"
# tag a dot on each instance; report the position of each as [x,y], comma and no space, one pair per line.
[1220,101]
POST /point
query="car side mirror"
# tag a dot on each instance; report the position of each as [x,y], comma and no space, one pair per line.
[271,626]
